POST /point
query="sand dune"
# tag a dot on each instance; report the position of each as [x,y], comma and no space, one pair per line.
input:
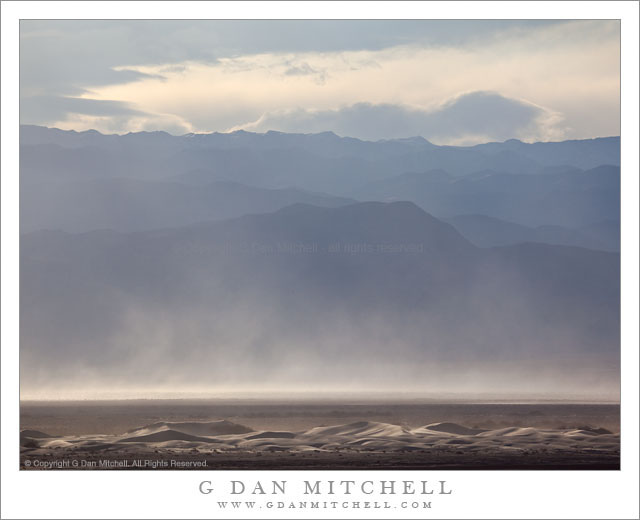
[166,435]
[358,437]
[223,427]
[358,429]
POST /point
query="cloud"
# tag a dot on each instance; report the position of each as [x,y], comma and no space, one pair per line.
[107,115]
[468,118]
[304,69]
[55,108]
[122,124]
[62,44]
[219,75]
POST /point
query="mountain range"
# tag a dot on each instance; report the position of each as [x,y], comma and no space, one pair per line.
[70,180]
[243,258]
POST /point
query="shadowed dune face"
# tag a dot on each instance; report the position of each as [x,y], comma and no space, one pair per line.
[452,428]
[222,427]
[165,436]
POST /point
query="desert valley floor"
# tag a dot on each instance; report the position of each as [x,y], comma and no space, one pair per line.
[259,434]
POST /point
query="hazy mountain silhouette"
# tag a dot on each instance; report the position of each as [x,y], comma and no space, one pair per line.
[321,161]
[584,153]
[486,231]
[85,180]
[569,198]
[368,281]
[242,258]
[135,205]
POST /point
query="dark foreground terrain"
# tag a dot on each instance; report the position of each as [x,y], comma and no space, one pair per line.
[250,434]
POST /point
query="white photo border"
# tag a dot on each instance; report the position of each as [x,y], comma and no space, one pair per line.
[175,494]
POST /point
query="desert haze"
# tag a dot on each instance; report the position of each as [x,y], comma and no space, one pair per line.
[455,306]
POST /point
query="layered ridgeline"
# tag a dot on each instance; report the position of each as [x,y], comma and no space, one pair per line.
[73,181]
[366,296]
[488,231]
[253,262]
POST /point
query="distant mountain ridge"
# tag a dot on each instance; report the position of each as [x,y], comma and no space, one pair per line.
[379,158]
[79,181]
[600,150]
[566,197]
[250,259]
[137,205]
[486,231]
[582,153]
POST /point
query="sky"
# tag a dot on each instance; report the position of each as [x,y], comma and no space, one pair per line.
[452,82]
